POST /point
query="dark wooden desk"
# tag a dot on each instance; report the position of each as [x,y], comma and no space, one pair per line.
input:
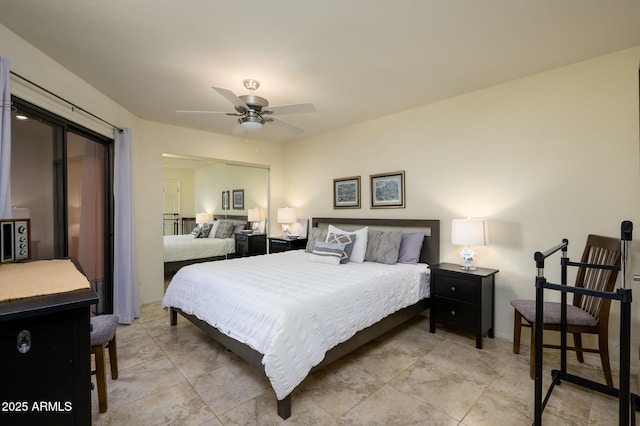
[50,383]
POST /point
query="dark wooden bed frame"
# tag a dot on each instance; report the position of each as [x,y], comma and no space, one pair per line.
[171,268]
[430,254]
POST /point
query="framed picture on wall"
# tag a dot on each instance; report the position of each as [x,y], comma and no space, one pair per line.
[225,200]
[387,190]
[238,199]
[346,193]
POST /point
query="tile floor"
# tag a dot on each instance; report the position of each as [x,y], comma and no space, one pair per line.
[177,375]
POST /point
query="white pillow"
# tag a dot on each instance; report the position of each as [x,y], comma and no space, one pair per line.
[359,247]
[214,228]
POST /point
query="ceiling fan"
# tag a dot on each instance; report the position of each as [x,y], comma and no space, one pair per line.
[254,111]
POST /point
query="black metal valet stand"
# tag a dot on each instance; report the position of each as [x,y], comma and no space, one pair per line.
[627,400]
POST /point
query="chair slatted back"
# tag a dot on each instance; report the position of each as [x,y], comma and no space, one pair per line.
[598,250]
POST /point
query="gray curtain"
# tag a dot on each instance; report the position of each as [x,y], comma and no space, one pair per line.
[5,140]
[126,300]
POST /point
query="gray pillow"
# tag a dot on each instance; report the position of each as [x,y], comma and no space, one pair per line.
[316,234]
[383,247]
[347,240]
[195,232]
[410,247]
[225,229]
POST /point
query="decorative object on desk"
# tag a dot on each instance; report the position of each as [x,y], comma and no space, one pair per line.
[469,232]
[286,216]
[225,200]
[387,190]
[238,199]
[346,193]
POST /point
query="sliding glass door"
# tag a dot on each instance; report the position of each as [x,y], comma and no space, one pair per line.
[61,176]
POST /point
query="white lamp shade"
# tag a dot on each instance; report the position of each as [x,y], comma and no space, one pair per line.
[251,126]
[203,218]
[469,232]
[286,215]
[253,215]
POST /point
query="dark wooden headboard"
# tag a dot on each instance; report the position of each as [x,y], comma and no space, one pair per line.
[430,253]
[230,217]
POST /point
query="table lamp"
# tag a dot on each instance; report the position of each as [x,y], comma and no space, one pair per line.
[469,232]
[286,216]
[253,216]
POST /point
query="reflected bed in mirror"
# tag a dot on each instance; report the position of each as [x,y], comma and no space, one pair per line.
[211,241]
[192,186]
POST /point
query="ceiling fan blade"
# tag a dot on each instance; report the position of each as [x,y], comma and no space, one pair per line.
[290,109]
[286,126]
[205,112]
[231,97]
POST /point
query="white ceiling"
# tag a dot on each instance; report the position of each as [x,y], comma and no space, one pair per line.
[355,60]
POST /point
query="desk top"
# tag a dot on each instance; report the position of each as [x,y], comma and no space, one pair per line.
[39,278]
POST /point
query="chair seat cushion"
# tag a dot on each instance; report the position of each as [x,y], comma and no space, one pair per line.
[575,315]
[103,328]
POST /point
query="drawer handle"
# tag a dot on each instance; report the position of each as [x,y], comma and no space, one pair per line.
[453,289]
[453,313]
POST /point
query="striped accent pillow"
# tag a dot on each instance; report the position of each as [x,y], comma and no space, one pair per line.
[348,239]
[324,252]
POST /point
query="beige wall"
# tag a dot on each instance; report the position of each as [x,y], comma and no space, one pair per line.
[545,157]
[211,180]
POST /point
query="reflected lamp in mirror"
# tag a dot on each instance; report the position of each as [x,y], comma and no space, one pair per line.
[203,218]
[254,217]
[469,233]
[286,216]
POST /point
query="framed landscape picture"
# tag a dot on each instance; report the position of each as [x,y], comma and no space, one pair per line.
[346,193]
[225,200]
[238,199]
[387,190]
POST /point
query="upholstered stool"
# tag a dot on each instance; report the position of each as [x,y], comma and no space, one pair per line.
[103,333]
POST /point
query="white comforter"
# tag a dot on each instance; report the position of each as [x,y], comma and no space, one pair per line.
[185,247]
[291,309]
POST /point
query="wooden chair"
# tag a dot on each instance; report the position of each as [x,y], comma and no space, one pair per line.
[103,334]
[587,314]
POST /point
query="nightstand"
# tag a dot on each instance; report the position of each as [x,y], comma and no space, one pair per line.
[278,244]
[251,244]
[463,298]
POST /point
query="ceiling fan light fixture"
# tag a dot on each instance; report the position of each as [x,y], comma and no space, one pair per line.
[251,84]
[251,124]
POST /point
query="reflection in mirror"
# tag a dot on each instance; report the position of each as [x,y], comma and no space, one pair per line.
[197,190]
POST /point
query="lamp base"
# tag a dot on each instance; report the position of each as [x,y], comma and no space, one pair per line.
[467,257]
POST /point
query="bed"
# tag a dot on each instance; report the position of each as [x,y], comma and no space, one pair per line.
[290,313]
[186,249]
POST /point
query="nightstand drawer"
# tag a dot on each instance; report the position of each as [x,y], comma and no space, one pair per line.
[455,288]
[455,313]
